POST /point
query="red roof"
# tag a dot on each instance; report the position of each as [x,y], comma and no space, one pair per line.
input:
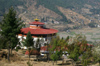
[38,31]
[44,48]
[32,52]
[89,45]
[36,23]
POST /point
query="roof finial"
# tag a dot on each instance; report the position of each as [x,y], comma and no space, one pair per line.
[36,19]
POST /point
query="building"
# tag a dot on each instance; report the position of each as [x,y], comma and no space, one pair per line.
[37,30]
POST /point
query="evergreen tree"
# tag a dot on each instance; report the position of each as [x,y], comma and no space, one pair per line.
[10,27]
[2,42]
[28,42]
[52,22]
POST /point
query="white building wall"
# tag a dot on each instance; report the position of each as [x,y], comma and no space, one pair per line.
[34,39]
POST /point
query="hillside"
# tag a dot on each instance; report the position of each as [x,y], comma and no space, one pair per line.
[74,12]
[5,4]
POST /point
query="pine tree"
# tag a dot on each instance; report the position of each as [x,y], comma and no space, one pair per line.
[28,42]
[10,27]
[2,43]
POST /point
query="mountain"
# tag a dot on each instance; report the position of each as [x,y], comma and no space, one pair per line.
[77,12]
[6,4]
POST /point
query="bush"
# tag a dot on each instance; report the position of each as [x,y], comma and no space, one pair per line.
[29,64]
[17,48]
[92,24]
[76,27]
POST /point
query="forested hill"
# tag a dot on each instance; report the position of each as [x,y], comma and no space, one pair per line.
[77,4]
[6,4]
[50,4]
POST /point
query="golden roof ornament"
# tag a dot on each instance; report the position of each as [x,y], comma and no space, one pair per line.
[36,19]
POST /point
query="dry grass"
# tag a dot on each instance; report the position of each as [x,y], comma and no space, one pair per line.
[19,59]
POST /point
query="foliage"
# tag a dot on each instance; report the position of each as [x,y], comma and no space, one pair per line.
[28,42]
[14,42]
[74,54]
[5,4]
[67,39]
[53,4]
[52,22]
[55,56]
[76,46]
[57,46]
[29,64]
[77,38]
[76,27]
[92,24]
[86,57]
[84,62]
[96,53]
[95,11]
[3,42]
[17,48]
[10,27]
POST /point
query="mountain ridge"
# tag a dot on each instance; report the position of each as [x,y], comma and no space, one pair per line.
[85,11]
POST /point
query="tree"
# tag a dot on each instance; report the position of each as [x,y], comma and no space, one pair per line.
[28,42]
[52,22]
[38,46]
[10,27]
[14,42]
[92,24]
[2,43]
[55,49]
[96,53]
[86,57]
[76,46]
[74,54]
[67,39]
[55,56]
